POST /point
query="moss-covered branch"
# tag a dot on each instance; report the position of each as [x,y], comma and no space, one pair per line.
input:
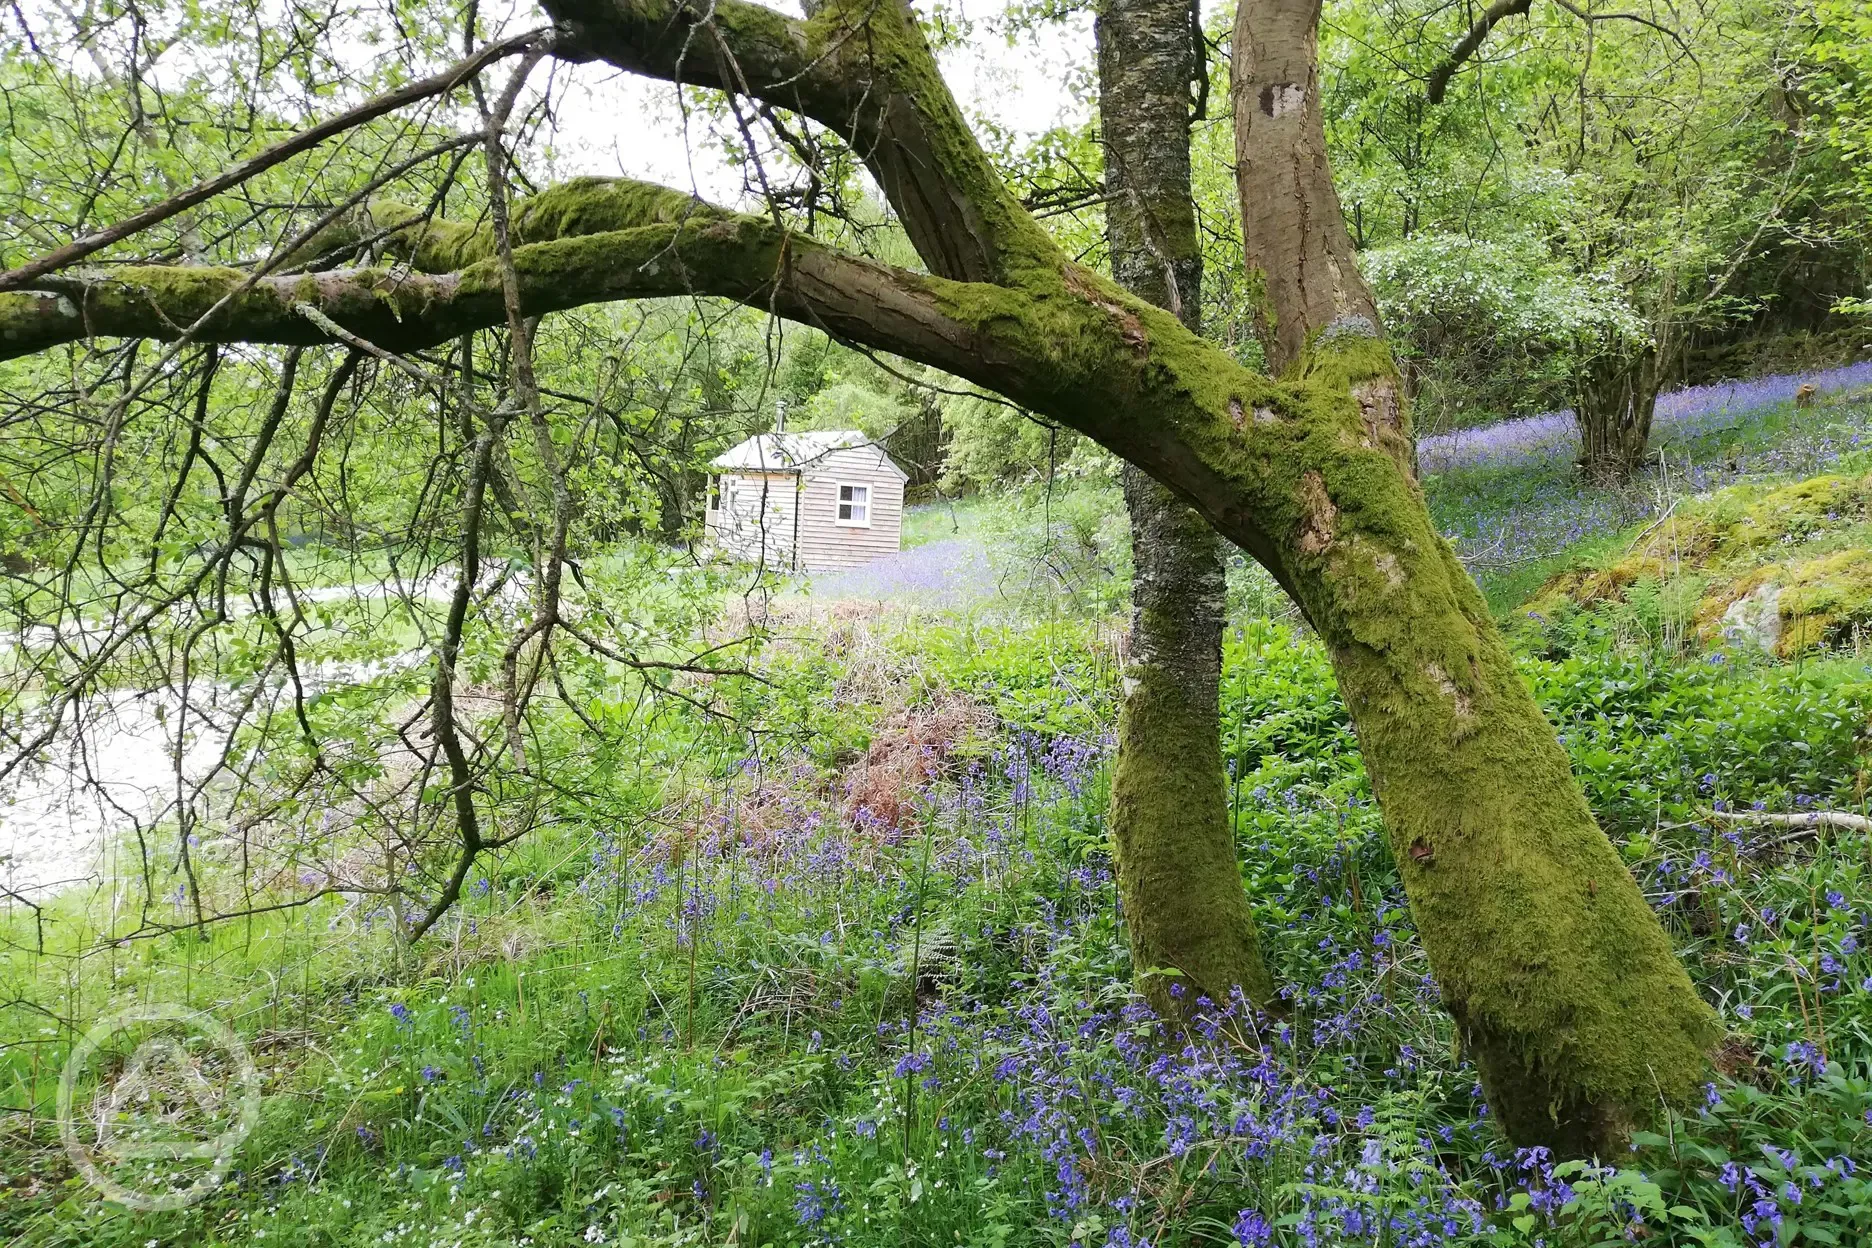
[572,209]
[1559,975]
[863,69]
[577,255]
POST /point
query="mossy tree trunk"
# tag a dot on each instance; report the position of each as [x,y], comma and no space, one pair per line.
[1563,986]
[1561,980]
[1178,878]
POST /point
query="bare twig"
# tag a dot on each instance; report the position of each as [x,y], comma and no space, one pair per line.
[305,140]
[1804,823]
[1471,41]
[1501,10]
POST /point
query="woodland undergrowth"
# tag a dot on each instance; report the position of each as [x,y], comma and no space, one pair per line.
[869,985]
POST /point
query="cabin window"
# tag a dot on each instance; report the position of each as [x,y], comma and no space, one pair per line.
[854,505]
[714,494]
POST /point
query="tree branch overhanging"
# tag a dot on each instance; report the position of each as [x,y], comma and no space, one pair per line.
[27,275]
[1470,43]
[1056,344]
[865,72]
[674,249]
[1465,48]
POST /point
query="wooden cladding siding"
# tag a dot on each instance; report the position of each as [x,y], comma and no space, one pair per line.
[756,521]
[825,543]
[789,520]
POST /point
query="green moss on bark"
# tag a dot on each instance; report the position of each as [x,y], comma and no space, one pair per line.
[732,255]
[1563,983]
[1567,991]
[1565,986]
[569,210]
[1186,913]
[958,211]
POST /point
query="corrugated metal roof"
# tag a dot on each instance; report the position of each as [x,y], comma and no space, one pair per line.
[787,452]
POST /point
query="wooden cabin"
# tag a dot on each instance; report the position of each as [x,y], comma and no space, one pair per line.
[806,502]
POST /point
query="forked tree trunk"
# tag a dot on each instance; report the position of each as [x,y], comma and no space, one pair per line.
[1614,401]
[1563,986]
[1178,878]
[1561,981]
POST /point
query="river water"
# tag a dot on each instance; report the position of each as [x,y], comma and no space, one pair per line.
[67,816]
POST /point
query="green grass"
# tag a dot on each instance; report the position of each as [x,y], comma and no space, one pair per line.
[712,1001]
[803,1030]
[945,519]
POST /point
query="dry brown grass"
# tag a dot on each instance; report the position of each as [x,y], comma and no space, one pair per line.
[912,748]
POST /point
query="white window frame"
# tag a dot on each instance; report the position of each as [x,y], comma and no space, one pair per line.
[717,486]
[840,503]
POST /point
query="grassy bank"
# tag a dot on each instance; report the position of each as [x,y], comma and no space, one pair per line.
[847,965]
[875,991]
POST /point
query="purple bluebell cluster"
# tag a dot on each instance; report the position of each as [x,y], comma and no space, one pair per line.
[1500,520]
[1082,1108]
[1328,1127]
[952,572]
[1685,413]
[827,1030]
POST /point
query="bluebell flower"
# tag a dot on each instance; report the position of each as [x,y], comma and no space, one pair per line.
[1786,1157]
[1803,1054]
[816,1201]
[1252,1230]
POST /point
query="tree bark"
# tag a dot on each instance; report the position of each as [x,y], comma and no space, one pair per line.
[1563,986]
[1294,236]
[1179,881]
[1614,401]
[1561,981]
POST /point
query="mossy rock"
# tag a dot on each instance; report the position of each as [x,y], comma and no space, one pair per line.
[1800,512]
[1789,567]
[1817,602]
[1586,586]
[1729,524]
